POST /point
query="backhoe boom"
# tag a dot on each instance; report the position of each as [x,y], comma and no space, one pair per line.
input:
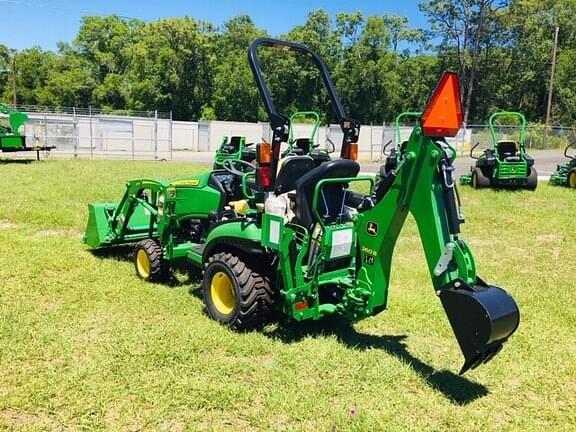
[482,316]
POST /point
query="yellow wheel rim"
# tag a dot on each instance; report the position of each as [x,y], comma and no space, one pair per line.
[572,180]
[222,292]
[143,264]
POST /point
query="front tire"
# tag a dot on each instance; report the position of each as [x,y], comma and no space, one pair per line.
[234,294]
[572,178]
[479,180]
[149,261]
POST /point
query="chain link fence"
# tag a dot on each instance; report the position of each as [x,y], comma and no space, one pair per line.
[153,135]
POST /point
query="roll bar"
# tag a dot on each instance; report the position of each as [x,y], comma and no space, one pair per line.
[400,116]
[472,150]
[566,152]
[523,126]
[279,122]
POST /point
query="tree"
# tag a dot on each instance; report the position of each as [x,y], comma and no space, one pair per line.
[234,95]
[32,69]
[4,68]
[171,67]
[400,31]
[462,25]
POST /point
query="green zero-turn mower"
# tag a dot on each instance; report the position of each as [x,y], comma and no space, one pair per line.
[234,147]
[565,174]
[306,146]
[327,257]
[506,165]
[398,150]
[12,137]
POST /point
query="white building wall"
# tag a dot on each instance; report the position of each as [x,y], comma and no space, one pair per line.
[155,138]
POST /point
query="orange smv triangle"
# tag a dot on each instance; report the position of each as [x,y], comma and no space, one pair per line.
[443,114]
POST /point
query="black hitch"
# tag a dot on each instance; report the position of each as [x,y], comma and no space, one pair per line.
[482,317]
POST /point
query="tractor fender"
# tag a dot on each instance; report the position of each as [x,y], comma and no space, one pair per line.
[240,235]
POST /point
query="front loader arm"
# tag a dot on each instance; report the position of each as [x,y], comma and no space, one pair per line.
[482,316]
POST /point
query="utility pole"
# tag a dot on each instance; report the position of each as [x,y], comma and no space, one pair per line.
[549,106]
[14,79]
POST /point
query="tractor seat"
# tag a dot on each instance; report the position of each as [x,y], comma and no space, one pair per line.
[331,206]
[508,149]
[292,169]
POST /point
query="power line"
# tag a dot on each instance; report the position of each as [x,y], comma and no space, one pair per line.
[60,8]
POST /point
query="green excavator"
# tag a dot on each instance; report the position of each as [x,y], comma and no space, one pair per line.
[294,239]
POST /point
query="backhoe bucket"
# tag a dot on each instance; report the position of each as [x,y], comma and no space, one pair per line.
[98,227]
[482,317]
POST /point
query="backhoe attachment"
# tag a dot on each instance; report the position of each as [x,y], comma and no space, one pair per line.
[482,316]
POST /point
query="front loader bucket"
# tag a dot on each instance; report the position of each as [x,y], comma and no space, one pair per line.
[98,227]
[482,317]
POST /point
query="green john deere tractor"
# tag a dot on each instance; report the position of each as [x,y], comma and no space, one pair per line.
[298,241]
[565,174]
[234,147]
[507,165]
[12,138]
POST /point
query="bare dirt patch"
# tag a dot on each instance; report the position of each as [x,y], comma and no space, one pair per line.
[172,426]
[6,224]
[549,238]
[47,304]
[21,419]
[58,233]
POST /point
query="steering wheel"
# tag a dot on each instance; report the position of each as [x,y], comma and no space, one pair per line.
[229,165]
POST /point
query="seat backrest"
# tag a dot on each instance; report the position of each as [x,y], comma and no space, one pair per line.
[293,167]
[331,202]
[234,144]
[507,148]
[303,144]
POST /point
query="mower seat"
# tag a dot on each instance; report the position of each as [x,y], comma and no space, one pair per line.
[233,146]
[319,156]
[508,151]
[331,206]
[304,144]
[291,170]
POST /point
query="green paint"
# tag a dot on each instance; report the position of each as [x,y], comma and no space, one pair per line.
[11,138]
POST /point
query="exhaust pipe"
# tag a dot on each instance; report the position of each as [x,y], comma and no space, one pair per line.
[482,317]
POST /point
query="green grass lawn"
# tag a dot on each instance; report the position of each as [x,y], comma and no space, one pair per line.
[85,345]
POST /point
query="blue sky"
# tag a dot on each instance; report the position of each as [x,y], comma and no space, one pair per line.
[27,23]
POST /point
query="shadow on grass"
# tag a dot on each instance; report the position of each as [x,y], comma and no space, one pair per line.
[458,389]
[125,253]
[7,161]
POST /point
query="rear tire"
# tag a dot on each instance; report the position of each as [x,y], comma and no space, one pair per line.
[572,178]
[149,261]
[234,294]
[532,181]
[479,180]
